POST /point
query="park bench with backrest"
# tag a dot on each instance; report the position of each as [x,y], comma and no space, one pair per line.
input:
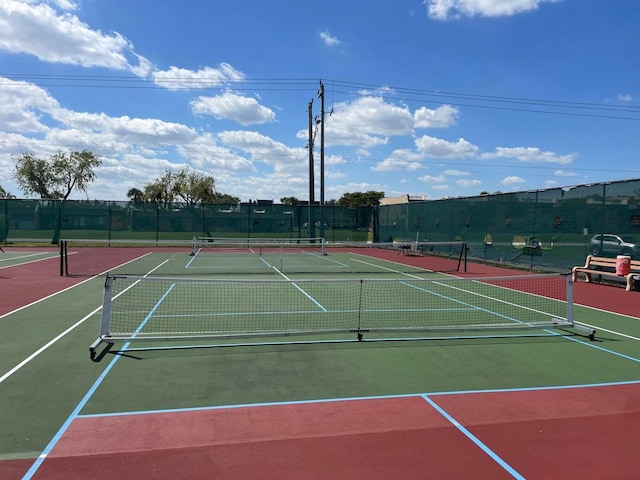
[607,267]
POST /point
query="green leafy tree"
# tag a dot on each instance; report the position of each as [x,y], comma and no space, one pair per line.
[289,201]
[160,189]
[360,199]
[5,194]
[225,199]
[55,177]
[186,185]
[192,186]
[135,195]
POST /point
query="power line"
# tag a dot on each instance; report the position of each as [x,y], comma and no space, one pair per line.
[346,88]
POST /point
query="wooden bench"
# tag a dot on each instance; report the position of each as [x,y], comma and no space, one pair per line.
[607,266]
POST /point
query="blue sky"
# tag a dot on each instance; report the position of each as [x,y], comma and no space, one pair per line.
[433,98]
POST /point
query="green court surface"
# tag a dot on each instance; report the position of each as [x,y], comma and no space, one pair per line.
[47,379]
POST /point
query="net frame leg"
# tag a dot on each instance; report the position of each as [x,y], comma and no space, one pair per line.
[93,355]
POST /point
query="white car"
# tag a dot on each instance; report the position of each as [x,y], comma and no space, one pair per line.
[608,244]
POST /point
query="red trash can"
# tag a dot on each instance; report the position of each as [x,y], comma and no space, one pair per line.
[623,265]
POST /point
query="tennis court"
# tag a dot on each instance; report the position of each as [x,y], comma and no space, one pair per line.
[300,362]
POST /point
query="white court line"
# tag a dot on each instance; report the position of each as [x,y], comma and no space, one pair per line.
[63,334]
[47,345]
[30,261]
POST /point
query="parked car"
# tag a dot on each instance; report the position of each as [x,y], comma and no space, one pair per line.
[609,244]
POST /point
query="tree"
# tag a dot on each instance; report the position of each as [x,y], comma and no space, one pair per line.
[289,201]
[5,194]
[359,199]
[193,186]
[55,177]
[135,195]
[190,186]
[159,190]
[225,199]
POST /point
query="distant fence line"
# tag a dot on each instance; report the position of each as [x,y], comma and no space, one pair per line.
[541,228]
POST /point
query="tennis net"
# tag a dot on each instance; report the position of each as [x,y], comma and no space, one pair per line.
[209,256]
[254,244]
[156,308]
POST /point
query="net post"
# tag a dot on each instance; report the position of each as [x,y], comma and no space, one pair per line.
[570,299]
[61,253]
[466,250]
[106,306]
[591,333]
[359,327]
[463,257]
[105,320]
[322,246]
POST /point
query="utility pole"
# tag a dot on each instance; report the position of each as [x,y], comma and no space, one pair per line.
[311,140]
[321,97]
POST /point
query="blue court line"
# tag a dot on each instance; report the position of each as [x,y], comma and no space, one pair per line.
[470,305]
[349,399]
[298,312]
[192,259]
[597,347]
[474,439]
[76,411]
[74,414]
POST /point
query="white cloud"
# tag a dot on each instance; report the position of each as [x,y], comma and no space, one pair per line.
[432,179]
[401,159]
[23,105]
[468,183]
[442,117]
[244,110]
[512,181]
[36,28]
[562,173]
[144,131]
[180,78]
[456,173]
[624,97]
[205,154]
[267,150]
[530,155]
[367,122]
[445,9]
[329,39]
[438,148]
[374,115]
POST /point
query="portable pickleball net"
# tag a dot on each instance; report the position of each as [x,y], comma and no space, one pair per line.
[201,310]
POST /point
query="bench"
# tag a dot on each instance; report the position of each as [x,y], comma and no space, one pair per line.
[609,266]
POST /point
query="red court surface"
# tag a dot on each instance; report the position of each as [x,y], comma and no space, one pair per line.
[587,433]
[534,434]
[23,284]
